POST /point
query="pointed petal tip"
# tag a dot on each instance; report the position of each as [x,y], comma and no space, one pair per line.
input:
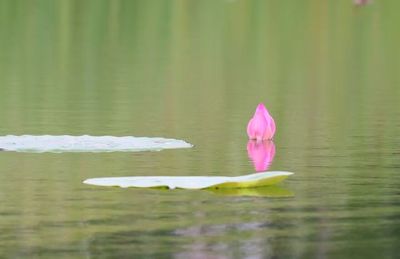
[261,106]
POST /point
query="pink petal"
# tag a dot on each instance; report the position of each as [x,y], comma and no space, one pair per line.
[256,127]
[262,125]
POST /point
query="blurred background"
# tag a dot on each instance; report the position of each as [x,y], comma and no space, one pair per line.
[328,71]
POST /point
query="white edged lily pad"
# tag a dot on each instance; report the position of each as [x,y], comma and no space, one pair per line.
[86,143]
[193,182]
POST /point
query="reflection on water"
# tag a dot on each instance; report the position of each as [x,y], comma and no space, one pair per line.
[59,144]
[361,2]
[262,153]
[195,70]
[269,191]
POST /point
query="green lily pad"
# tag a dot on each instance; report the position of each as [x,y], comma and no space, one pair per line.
[193,182]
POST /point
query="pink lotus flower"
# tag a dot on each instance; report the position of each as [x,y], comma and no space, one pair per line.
[261,153]
[262,125]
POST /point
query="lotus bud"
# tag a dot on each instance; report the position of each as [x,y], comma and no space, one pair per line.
[262,125]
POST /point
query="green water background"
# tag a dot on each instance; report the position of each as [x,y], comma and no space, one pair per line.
[328,71]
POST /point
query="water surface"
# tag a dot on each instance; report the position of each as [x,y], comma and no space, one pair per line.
[195,70]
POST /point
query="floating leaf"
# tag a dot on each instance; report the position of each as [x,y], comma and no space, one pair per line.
[48,143]
[193,182]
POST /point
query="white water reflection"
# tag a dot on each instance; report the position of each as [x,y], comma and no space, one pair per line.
[65,143]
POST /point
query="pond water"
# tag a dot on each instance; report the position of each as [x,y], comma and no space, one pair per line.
[328,72]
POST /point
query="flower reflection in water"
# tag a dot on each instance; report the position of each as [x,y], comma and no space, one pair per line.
[261,153]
